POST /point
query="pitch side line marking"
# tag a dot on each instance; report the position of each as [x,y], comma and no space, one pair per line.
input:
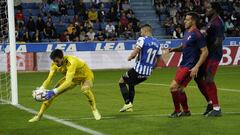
[61,121]
[64,122]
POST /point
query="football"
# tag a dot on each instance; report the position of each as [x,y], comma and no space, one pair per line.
[39,94]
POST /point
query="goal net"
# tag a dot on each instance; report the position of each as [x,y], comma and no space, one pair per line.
[5,87]
[5,79]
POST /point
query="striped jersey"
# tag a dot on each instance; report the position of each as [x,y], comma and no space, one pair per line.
[150,50]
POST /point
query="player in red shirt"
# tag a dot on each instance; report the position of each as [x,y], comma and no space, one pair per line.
[214,39]
[194,54]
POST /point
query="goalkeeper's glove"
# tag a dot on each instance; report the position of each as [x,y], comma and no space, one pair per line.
[50,94]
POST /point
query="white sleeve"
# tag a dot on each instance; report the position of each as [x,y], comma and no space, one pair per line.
[140,42]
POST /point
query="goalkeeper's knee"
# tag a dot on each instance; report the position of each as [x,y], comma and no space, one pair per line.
[86,89]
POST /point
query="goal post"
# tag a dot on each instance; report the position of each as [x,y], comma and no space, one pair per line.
[12,43]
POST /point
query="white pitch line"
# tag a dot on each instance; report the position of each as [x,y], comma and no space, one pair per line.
[61,121]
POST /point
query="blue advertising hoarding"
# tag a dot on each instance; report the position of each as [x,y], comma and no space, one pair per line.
[98,46]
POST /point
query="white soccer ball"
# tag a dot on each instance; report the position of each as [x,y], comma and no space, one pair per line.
[39,94]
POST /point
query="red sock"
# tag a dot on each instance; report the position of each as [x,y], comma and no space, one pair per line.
[183,101]
[202,86]
[212,92]
[175,97]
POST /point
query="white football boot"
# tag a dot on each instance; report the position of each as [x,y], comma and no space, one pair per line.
[127,107]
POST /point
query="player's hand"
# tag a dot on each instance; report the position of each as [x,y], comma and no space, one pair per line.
[129,58]
[194,72]
[50,94]
[166,50]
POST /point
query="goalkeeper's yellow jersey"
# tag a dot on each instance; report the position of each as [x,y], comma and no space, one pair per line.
[75,70]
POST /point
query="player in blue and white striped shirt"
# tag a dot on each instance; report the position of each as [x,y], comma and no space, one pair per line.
[148,53]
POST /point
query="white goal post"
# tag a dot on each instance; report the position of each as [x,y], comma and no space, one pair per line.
[12,42]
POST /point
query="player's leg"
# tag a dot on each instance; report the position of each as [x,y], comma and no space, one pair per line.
[176,99]
[87,91]
[127,78]
[131,88]
[124,90]
[46,104]
[200,80]
[131,96]
[126,95]
[201,83]
[212,89]
[43,108]
[130,79]
[202,86]
[179,97]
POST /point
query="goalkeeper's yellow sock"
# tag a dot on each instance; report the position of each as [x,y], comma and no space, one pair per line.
[44,107]
[90,97]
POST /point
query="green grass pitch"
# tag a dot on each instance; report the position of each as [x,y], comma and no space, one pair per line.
[152,104]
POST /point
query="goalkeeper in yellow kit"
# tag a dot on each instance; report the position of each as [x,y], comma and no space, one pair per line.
[76,72]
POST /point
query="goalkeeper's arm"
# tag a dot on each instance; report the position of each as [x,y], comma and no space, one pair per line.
[69,77]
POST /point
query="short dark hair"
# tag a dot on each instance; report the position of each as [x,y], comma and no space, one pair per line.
[56,54]
[216,7]
[194,16]
[148,26]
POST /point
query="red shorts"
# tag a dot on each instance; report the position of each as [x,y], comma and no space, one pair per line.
[210,66]
[183,76]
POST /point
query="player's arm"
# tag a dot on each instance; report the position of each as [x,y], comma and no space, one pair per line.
[69,77]
[137,49]
[134,53]
[177,49]
[158,57]
[201,44]
[48,81]
[203,56]
[67,83]
[219,35]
